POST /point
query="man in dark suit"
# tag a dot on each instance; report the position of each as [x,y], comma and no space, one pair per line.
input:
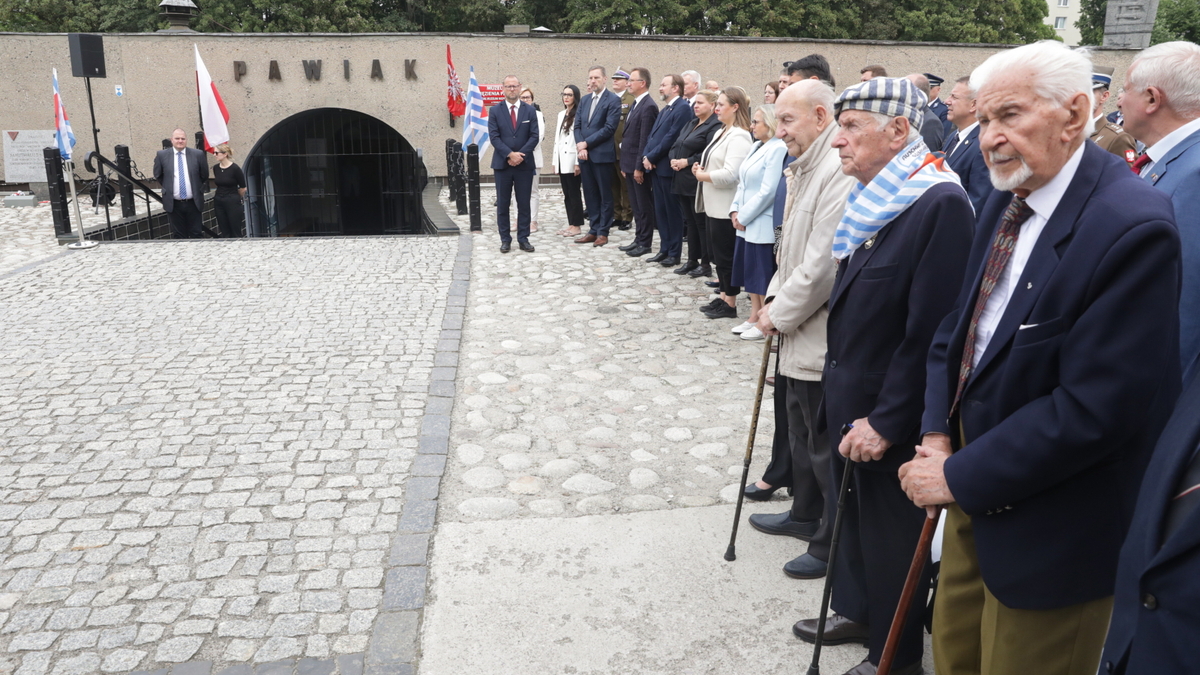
[962,146]
[1161,112]
[183,174]
[641,118]
[1156,608]
[595,123]
[513,129]
[1049,382]
[668,212]
[931,127]
[901,252]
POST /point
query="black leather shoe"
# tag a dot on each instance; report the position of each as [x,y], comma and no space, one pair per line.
[684,269]
[712,305]
[758,494]
[628,247]
[722,311]
[868,668]
[669,261]
[505,246]
[713,284]
[623,225]
[782,523]
[838,631]
[700,271]
[638,251]
[805,567]
[658,257]
[526,246]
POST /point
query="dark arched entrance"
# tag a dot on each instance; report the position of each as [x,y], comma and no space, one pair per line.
[333,172]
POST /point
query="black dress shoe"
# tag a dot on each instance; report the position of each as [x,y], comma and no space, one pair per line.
[638,251]
[756,493]
[505,246]
[526,246]
[806,567]
[713,284]
[712,305]
[722,311]
[628,247]
[700,271]
[782,523]
[669,261]
[684,269]
[838,631]
[658,257]
[623,225]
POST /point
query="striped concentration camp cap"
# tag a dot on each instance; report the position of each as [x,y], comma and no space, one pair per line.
[891,96]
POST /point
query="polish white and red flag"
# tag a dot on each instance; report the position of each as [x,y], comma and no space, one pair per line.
[213,115]
[456,102]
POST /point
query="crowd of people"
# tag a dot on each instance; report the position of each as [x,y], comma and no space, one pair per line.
[988,305]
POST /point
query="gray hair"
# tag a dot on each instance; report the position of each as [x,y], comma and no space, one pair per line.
[914,132]
[1172,68]
[768,115]
[693,75]
[1060,73]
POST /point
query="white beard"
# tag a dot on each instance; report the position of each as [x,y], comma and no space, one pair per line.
[1013,180]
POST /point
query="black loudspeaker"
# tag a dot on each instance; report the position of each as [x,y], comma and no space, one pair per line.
[87,54]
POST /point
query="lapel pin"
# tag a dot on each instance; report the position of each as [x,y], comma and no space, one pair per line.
[1029,286]
[869,243]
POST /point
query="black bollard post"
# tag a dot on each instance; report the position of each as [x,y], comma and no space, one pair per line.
[473,187]
[460,173]
[451,175]
[58,192]
[128,205]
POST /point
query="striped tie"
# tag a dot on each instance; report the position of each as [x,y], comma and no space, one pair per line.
[1002,247]
[179,171]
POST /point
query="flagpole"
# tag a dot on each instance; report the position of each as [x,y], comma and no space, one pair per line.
[82,243]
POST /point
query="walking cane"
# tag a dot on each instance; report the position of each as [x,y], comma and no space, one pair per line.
[814,668]
[762,380]
[910,589]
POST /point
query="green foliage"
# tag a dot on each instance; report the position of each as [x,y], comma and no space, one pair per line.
[1177,20]
[1092,14]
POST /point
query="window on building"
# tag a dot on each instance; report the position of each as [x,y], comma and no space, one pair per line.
[1064,3]
[1060,23]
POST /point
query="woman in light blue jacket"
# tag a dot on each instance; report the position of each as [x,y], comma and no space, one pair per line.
[752,215]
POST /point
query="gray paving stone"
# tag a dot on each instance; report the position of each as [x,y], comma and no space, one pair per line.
[404,588]
[390,668]
[315,667]
[428,465]
[409,549]
[192,668]
[433,445]
[350,664]
[239,669]
[393,639]
[274,668]
[419,514]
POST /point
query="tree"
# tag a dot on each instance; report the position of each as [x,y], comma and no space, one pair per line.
[1092,14]
[1177,20]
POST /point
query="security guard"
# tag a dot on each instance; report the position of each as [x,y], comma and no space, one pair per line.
[622,212]
[1108,135]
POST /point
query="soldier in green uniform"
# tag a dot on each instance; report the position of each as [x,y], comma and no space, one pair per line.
[1106,134]
[622,212]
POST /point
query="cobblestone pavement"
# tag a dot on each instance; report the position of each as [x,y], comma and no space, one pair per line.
[27,233]
[206,451]
[589,383]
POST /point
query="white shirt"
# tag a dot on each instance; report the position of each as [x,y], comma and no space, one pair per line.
[1168,142]
[186,178]
[638,99]
[963,133]
[1043,201]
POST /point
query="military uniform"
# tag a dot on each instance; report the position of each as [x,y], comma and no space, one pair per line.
[1115,140]
[622,213]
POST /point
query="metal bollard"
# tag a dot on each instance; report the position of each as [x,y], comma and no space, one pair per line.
[473,187]
[58,192]
[124,187]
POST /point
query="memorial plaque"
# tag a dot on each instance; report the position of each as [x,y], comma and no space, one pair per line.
[492,94]
[23,160]
[1129,23]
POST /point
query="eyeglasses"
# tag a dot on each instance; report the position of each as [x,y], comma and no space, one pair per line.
[220,152]
[637,80]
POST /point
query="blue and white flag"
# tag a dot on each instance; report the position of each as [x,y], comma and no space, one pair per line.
[63,136]
[475,130]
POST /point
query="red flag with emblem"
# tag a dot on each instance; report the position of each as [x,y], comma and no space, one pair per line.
[455,101]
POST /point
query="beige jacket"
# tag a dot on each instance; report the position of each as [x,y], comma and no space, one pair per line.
[816,197]
[722,159]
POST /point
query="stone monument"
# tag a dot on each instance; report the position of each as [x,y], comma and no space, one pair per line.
[1128,23]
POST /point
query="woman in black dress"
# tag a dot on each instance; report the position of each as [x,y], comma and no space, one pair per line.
[231,187]
[688,147]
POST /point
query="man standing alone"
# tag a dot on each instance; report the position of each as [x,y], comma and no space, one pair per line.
[513,128]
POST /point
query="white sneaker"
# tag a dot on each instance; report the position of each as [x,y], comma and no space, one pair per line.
[752,333]
[742,328]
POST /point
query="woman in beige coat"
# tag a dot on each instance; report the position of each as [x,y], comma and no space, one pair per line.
[717,173]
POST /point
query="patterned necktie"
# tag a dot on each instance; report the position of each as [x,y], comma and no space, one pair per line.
[1002,247]
[595,102]
[1140,163]
[513,110]
[180,173]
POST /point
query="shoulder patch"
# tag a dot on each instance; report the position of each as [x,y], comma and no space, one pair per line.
[1130,155]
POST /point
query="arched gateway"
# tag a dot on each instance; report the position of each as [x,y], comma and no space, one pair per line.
[333,172]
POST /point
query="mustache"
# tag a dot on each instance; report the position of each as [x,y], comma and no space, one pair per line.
[1001,157]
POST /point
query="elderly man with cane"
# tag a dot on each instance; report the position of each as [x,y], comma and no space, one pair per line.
[901,248]
[1049,383]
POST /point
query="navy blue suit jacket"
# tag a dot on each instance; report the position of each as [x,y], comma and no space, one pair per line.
[887,302]
[1064,407]
[638,123]
[967,162]
[664,132]
[598,132]
[505,139]
[1160,640]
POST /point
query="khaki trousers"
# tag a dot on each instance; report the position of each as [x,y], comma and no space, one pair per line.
[974,634]
[621,207]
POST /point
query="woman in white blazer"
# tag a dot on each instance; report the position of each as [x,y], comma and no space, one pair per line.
[752,213]
[535,197]
[566,162]
[717,173]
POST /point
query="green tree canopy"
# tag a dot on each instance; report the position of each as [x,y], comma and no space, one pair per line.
[1177,20]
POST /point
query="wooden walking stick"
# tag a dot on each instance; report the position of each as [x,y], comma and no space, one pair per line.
[910,589]
[730,554]
[814,666]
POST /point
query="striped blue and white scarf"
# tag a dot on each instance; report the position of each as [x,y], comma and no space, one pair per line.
[900,184]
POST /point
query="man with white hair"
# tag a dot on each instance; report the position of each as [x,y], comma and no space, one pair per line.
[691,85]
[901,246]
[797,308]
[1162,110]
[1049,382]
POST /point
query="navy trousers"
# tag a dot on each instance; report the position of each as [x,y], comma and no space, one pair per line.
[668,215]
[506,181]
[641,201]
[598,194]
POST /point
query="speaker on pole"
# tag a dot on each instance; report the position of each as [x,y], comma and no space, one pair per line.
[87,54]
